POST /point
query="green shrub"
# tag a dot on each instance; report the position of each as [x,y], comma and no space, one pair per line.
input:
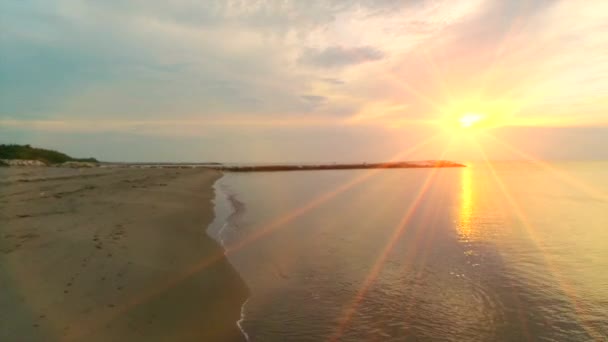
[32,153]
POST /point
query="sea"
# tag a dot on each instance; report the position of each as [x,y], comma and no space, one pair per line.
[502,251]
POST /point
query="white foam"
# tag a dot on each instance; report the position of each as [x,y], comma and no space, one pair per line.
[225,219]
[239,323]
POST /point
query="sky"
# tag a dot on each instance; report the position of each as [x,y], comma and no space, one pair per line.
[316,80]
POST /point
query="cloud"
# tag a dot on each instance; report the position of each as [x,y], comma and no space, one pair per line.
[315,99]
[333,81]
[213,58]
[339,56]
[279,15]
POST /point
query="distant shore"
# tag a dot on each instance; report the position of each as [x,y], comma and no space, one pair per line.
[113,254]
[357,166]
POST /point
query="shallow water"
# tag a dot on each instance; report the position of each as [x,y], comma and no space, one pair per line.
[510,252]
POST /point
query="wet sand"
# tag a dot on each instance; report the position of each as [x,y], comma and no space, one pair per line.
[113,255]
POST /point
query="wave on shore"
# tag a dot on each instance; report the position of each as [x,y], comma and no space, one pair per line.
[227,210]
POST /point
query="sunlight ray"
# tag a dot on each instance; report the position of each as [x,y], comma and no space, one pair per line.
[425,245]
[379,264]
[565,287]
[281,221]
[383,256]
[436,72]
[418,94]
[499,54]
[497,180]
[429,237]
[558,173]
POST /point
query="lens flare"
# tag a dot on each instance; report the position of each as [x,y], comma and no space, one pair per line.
[470,119]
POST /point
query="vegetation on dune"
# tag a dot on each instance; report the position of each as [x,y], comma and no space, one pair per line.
[28,152]
[3,164]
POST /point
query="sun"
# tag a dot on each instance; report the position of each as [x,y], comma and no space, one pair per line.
[470,119]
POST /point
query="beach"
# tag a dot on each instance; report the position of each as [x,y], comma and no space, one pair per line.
[113,254]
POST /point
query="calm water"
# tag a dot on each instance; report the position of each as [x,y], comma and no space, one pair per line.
[511,252]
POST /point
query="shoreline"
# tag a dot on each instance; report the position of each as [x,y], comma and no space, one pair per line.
[114,254]
[226,209]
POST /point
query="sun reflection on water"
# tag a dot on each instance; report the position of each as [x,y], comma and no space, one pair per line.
[465,211]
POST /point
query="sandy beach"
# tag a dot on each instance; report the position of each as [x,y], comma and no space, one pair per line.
[113,254]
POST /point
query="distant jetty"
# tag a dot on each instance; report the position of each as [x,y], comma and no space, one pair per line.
[388,165]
